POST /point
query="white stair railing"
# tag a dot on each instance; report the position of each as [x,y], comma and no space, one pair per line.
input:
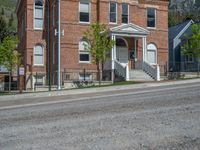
[120,69]
[153,71]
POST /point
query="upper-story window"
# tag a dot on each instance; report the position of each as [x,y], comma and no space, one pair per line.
[113,12]
[151,17]
[38,15]
[84,11]
[38,55]
[125,13]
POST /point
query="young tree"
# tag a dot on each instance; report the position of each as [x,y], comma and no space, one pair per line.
[3,28]
[99,44]
[9,56]
[2,11]
[10,22]
[192,45]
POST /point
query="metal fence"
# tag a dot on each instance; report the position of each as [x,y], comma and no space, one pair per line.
[184,67]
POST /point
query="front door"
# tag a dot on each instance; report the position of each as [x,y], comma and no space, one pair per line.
[122,55]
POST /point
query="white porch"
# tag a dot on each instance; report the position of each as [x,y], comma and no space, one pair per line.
[119,59]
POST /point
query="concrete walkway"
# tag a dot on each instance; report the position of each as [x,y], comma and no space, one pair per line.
[95,90]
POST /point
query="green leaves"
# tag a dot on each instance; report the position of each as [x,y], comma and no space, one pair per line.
[9,57]
[99,42]
[192,45]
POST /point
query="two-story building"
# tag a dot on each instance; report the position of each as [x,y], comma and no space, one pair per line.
[139,27]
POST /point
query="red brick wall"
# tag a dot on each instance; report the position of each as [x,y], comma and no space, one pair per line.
[74,30]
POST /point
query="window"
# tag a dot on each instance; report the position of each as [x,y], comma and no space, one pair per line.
[85,77]
[38,14]
[38,55]
[151,54]
[84,11]
[124,13]
[113,12]
[151,17]
[84,55]
[39,80]
[189,58]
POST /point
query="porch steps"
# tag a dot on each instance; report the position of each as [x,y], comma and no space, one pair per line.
[139,75]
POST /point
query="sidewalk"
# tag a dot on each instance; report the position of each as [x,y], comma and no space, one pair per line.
[95,90]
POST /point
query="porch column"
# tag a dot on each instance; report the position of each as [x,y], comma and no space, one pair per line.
[144,43]
[113,37]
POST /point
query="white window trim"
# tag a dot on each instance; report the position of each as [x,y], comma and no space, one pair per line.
[83,52]
[128,14]
[90,76]
[156,55]
[116,12]
[34,16]
[84,62]
[83,22]
[43,79]
[155,18]
[34,55]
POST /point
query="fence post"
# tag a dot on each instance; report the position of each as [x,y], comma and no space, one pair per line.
[84,74]
[158,73]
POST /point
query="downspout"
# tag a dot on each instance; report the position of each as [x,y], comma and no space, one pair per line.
[98,10]
[48,51]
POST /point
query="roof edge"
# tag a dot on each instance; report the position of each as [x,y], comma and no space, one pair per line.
[184,29]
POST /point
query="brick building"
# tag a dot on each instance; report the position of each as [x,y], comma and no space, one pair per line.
[139,27]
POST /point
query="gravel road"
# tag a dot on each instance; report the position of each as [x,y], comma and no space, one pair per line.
[161,119]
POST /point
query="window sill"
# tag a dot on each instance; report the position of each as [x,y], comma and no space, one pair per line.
[80,22]
[84,62]
[151,28]
[38,29]
[38,65]
[113,23]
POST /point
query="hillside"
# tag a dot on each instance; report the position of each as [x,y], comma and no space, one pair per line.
[182,10]
[7,9]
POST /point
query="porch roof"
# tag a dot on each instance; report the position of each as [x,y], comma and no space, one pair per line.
[129,30]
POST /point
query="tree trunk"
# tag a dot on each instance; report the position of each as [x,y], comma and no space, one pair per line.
[99,73]
[9,86]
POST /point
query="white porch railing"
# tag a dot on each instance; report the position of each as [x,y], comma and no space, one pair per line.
[153,71]
[120,69]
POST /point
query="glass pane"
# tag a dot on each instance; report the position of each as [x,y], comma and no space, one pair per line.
[84,17]
[39,23]
[84,7]
[151,56]
[151,17]
[86,77]
[124,18]
[151,13]
[112,7]
[82,45]
[112,17]
[38,60]
[151,22]
[38,50]
[84,57]
[125,9]
[38,13]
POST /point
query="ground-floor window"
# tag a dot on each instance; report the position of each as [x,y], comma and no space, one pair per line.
[39,79]
[189,58]
[85,77]
[84,54]
[151,54]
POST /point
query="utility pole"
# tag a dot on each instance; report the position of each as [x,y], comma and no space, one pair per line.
[59,37]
